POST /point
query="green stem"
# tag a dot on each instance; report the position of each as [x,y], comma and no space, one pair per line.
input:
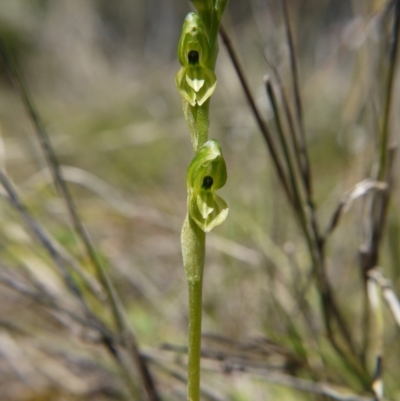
[194,352]
[193,250]
[198,122]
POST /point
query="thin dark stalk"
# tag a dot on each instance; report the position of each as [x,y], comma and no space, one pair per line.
[61,185]
[287,155]
[379,207]
[289,116]
[305,166]
[298,204]
[260,122]
[383,157]
[386,155]
[304,158]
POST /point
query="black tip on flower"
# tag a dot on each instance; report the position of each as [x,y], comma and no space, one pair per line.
[207,182]
[193,57]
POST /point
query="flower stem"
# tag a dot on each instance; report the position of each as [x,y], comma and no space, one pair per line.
[198,122]
[195,296]
[193,249]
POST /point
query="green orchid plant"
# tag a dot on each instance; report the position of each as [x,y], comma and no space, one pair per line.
[196,82]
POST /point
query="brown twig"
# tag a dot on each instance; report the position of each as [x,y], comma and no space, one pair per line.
[305,165]
[293,182]
[260,122]
[385,133]
[288,114]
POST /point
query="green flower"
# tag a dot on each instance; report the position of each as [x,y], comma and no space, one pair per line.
[206,174]
[195,80]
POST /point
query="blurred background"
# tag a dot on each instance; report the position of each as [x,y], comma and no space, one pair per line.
[102,76]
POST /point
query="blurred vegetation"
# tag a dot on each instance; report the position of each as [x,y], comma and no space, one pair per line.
[101,75]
